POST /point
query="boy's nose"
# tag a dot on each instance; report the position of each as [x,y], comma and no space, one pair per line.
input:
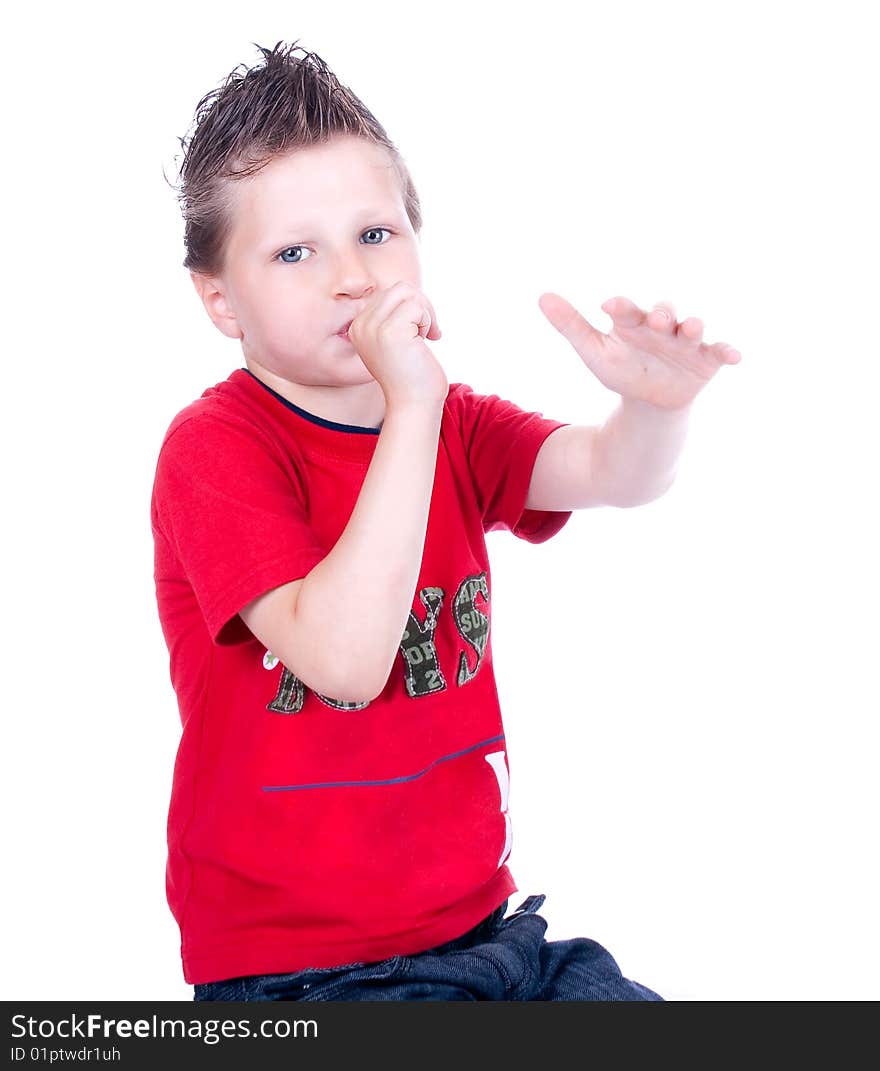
[352,277]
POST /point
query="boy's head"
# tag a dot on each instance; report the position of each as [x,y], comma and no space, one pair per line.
[290,101]
[297,208]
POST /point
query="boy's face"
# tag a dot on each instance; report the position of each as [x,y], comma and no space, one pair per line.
[315,234]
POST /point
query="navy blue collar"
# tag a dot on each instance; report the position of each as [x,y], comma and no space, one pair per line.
[332,424]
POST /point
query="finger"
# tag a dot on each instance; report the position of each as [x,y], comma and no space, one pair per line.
[623,312]
[662,317]
[691,329]
[425,322]
[413,310]
[569,322]
[384,302]
[724,353]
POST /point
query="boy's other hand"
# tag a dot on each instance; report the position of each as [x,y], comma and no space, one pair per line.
[389,335]
[648,355]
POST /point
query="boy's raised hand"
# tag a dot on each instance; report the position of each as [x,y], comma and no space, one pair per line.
[389,335]
[646,356]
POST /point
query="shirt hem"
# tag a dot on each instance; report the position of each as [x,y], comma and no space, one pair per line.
[280,952]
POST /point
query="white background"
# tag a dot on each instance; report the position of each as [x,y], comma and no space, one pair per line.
[690,687]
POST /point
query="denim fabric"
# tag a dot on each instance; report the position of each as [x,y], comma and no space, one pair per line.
[500,959]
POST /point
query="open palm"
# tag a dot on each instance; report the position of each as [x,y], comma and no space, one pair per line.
[646,355]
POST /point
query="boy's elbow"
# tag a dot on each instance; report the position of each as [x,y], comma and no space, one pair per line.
[362,685]
[348,668]
[344,684]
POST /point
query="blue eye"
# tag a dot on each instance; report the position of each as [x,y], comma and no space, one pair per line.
[301,254]
[370,237]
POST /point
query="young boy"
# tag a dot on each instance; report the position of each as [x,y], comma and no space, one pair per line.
[338,826]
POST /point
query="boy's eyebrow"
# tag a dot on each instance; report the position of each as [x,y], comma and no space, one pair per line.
[367,215]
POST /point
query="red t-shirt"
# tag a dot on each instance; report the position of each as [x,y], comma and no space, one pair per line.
[303,832]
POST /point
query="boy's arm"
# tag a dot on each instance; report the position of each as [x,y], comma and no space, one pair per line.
[316,625]
[627,461]
[657,367]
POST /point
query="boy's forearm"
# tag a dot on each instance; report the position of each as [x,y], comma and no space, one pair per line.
[354,605]
[637,451]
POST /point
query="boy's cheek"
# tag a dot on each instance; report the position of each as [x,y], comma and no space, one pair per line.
[408,264]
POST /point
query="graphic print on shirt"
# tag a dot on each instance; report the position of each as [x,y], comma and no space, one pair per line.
[471,622]
[498,763]
[422,672]
[290,695]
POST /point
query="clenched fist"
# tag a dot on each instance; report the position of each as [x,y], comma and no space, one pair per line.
[389,335]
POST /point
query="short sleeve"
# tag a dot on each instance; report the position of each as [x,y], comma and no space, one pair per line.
[501,442]
[231,519]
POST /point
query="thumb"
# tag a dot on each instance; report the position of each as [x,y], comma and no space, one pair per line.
[569,322]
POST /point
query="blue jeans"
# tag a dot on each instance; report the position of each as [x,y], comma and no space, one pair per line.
[500,959]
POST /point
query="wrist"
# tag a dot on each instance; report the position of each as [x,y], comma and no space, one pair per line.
[648,409]
[427,405]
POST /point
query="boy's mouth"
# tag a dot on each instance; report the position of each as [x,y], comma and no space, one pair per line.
[343,331]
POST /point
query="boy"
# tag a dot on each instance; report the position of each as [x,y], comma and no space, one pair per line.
[337,826]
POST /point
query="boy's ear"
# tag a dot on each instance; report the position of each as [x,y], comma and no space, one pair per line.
[210,290]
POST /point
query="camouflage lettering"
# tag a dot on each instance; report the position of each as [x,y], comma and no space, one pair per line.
[422,671]
[289,697]
[471,622]
[338,704]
